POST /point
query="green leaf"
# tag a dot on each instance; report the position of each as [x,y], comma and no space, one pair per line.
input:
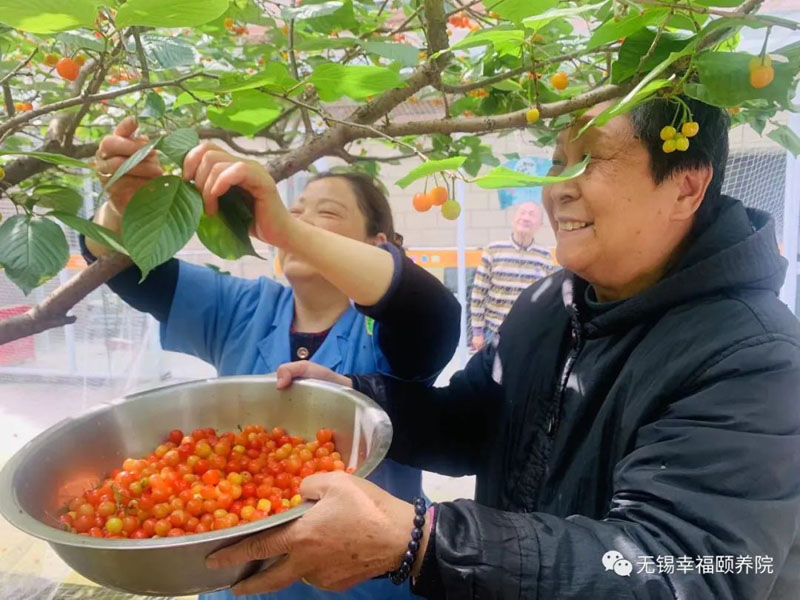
[178,143]
[753,21]
[732,24]
[185,98]
[311,11]
[57,197]
[133,160]
[168,52]
[326,43]
[48,16]
[629,102]
[642,91]
[357,82]
[730,43]
[79,41]
[503,177]
[342,19]
[725,80]
[478,156]
[791,51]
[548,16]
[464,104]
[16,142]
[406,55]
[91,230]
[248,11]
[32,250]
[637,45]
[227,233]
[169,13]
[517,10]
[786,138]
[275,77]
[429,168]
[248,113]
[507,85]
[50,157]
[154,106]
[681,21]
[159,220]
[612,30]
[502,38]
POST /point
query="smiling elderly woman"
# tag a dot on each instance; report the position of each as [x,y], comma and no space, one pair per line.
[636,429]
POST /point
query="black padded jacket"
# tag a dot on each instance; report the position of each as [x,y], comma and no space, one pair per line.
[666,429]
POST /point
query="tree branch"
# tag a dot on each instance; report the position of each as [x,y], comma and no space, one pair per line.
[142,57]
[22,168]
[473,13]
[23,118]
[383,7]
[98,72]
[52,312]
[345,131]
[19,67]
[404,25]
[512,120]
[296,73]
[743,12]
[651,50]
[352,158]
[229,139]
[437,27]
[8,99]
[336,137]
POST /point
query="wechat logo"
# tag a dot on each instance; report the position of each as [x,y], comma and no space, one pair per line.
[614,561]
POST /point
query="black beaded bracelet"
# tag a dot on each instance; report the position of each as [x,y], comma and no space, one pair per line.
[401,574]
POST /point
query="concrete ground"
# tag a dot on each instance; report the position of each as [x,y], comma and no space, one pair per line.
[29,569]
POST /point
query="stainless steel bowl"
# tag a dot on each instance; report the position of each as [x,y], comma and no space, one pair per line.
[70,457]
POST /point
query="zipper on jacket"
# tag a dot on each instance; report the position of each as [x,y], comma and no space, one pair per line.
[553,420]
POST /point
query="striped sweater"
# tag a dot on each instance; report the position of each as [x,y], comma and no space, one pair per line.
[506,269]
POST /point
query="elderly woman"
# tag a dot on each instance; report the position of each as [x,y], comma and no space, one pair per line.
[635,431]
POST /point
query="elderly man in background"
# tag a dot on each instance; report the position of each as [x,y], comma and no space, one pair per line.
[507,268]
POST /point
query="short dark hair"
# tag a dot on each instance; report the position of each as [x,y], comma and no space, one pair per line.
[709,148]
[372,202]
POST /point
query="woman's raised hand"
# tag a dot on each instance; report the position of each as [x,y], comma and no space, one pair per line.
[114,150]
[215,171]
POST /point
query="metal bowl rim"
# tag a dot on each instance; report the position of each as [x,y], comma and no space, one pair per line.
[19,518]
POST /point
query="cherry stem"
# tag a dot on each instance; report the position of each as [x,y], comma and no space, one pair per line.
[764,47]
[677,110]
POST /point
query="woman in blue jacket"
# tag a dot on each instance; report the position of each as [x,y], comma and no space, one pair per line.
[333,249]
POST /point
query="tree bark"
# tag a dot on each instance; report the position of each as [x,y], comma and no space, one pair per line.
[52,312]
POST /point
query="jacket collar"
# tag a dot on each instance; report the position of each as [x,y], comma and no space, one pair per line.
[275,348]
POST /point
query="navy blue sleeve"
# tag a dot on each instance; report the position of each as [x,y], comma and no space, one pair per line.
[153,295]
[441,429]
[418,320]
